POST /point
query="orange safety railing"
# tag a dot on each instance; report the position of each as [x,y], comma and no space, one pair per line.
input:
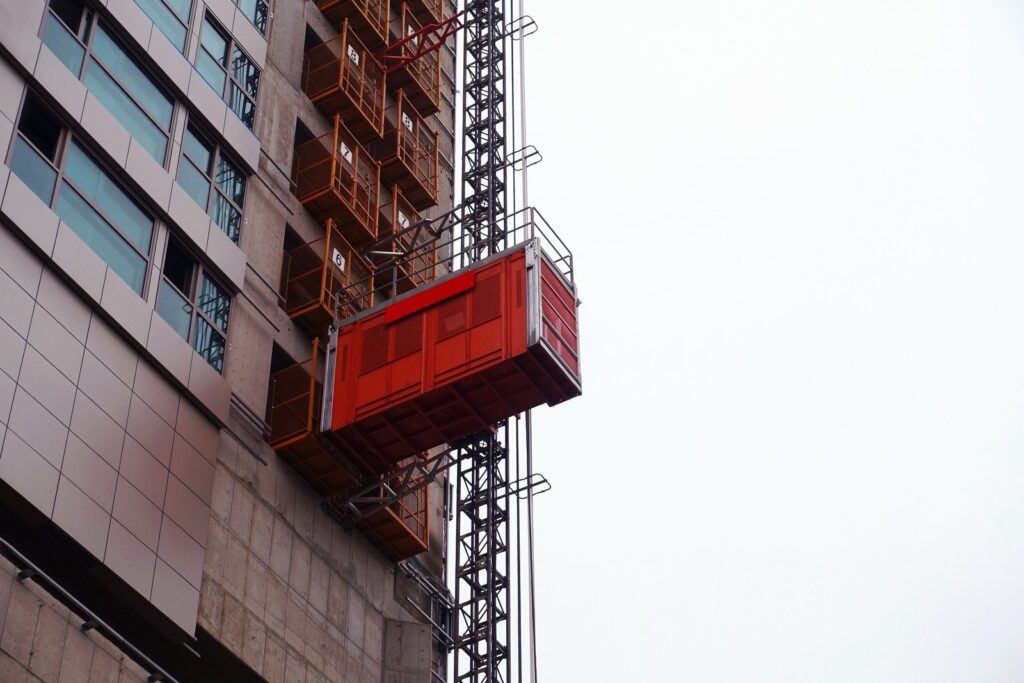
[342,77]
[420,265]
[323,275]
[295,394]
[409,154]
[368,17]
[420,77]
[427,11]
[400,530]
[334,177]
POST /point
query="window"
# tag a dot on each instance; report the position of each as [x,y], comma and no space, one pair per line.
[171,17]
[67,178]
[194,305]
[213,180]
[84,45]
[257,12]
[229,71]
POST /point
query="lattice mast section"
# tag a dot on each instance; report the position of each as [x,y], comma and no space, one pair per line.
[482,562]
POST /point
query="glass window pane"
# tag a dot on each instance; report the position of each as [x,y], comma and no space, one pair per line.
[214,302]
[174,308]
[133,222]
[32,168]
[198,151]
[165,20]
[195,183]
[126,111]
[257,12]
[159,105]
[226,216]
[209,344]
[215,43]
[245,72]
[231,180]
[212,72]
[102,238]
[63,44]
[242,106]
[182,7]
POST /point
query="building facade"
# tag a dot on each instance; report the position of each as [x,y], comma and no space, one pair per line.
[186,186]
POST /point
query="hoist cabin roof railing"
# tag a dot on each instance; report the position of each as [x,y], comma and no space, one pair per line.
[368,17]
[420,77]
[335,178]
[409,154]
[318,278]
[341,76]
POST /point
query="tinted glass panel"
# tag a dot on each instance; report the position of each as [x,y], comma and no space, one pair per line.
[226,217]
[245,72]
[209,344]
[198,151]
[159,106]
[98,234]
[115,204]
[165,20]
[215,43]
[175,309]
[256,11]
[70,12]
[126,111]
[195,183]
[40,127]
[63,44]
[34,171]
[211,71]
[231,180]
[214,302]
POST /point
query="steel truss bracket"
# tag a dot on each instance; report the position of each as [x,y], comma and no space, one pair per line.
[428,39]
[521,28]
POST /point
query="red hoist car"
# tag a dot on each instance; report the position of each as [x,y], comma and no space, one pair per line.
[452,357]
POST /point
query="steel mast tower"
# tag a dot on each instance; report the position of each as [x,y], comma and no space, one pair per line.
[482,562]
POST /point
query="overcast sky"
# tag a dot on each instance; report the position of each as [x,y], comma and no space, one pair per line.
[800,250]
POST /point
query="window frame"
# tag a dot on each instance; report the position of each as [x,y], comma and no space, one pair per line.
[67,138]
[198,274]
[225,64]
[217,153]
[90,23]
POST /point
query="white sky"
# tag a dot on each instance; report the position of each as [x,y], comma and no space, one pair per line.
[798,227]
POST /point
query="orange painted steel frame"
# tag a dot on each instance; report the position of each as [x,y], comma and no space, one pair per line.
[420,77]
[315,280]
[400,530]
[335,178]
[409,155]
[427,11]
[450,359]
[342,77]
[368,17]
[420,267]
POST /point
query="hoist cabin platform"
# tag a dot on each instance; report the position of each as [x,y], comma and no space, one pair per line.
[420,77]
[453,357]
[368,17]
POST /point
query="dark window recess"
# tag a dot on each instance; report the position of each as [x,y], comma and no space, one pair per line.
[40,127]
[291,241]
[312,39]
[279,360]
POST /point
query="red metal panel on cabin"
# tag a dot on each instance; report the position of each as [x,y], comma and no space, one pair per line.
[559,313]
[447,362]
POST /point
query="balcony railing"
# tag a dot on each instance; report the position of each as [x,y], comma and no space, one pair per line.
[335,178]
[342,77]
[401,275]
[420,77]
[409,154]
[368,17]
[399,530]
[319,277]
[427,11]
